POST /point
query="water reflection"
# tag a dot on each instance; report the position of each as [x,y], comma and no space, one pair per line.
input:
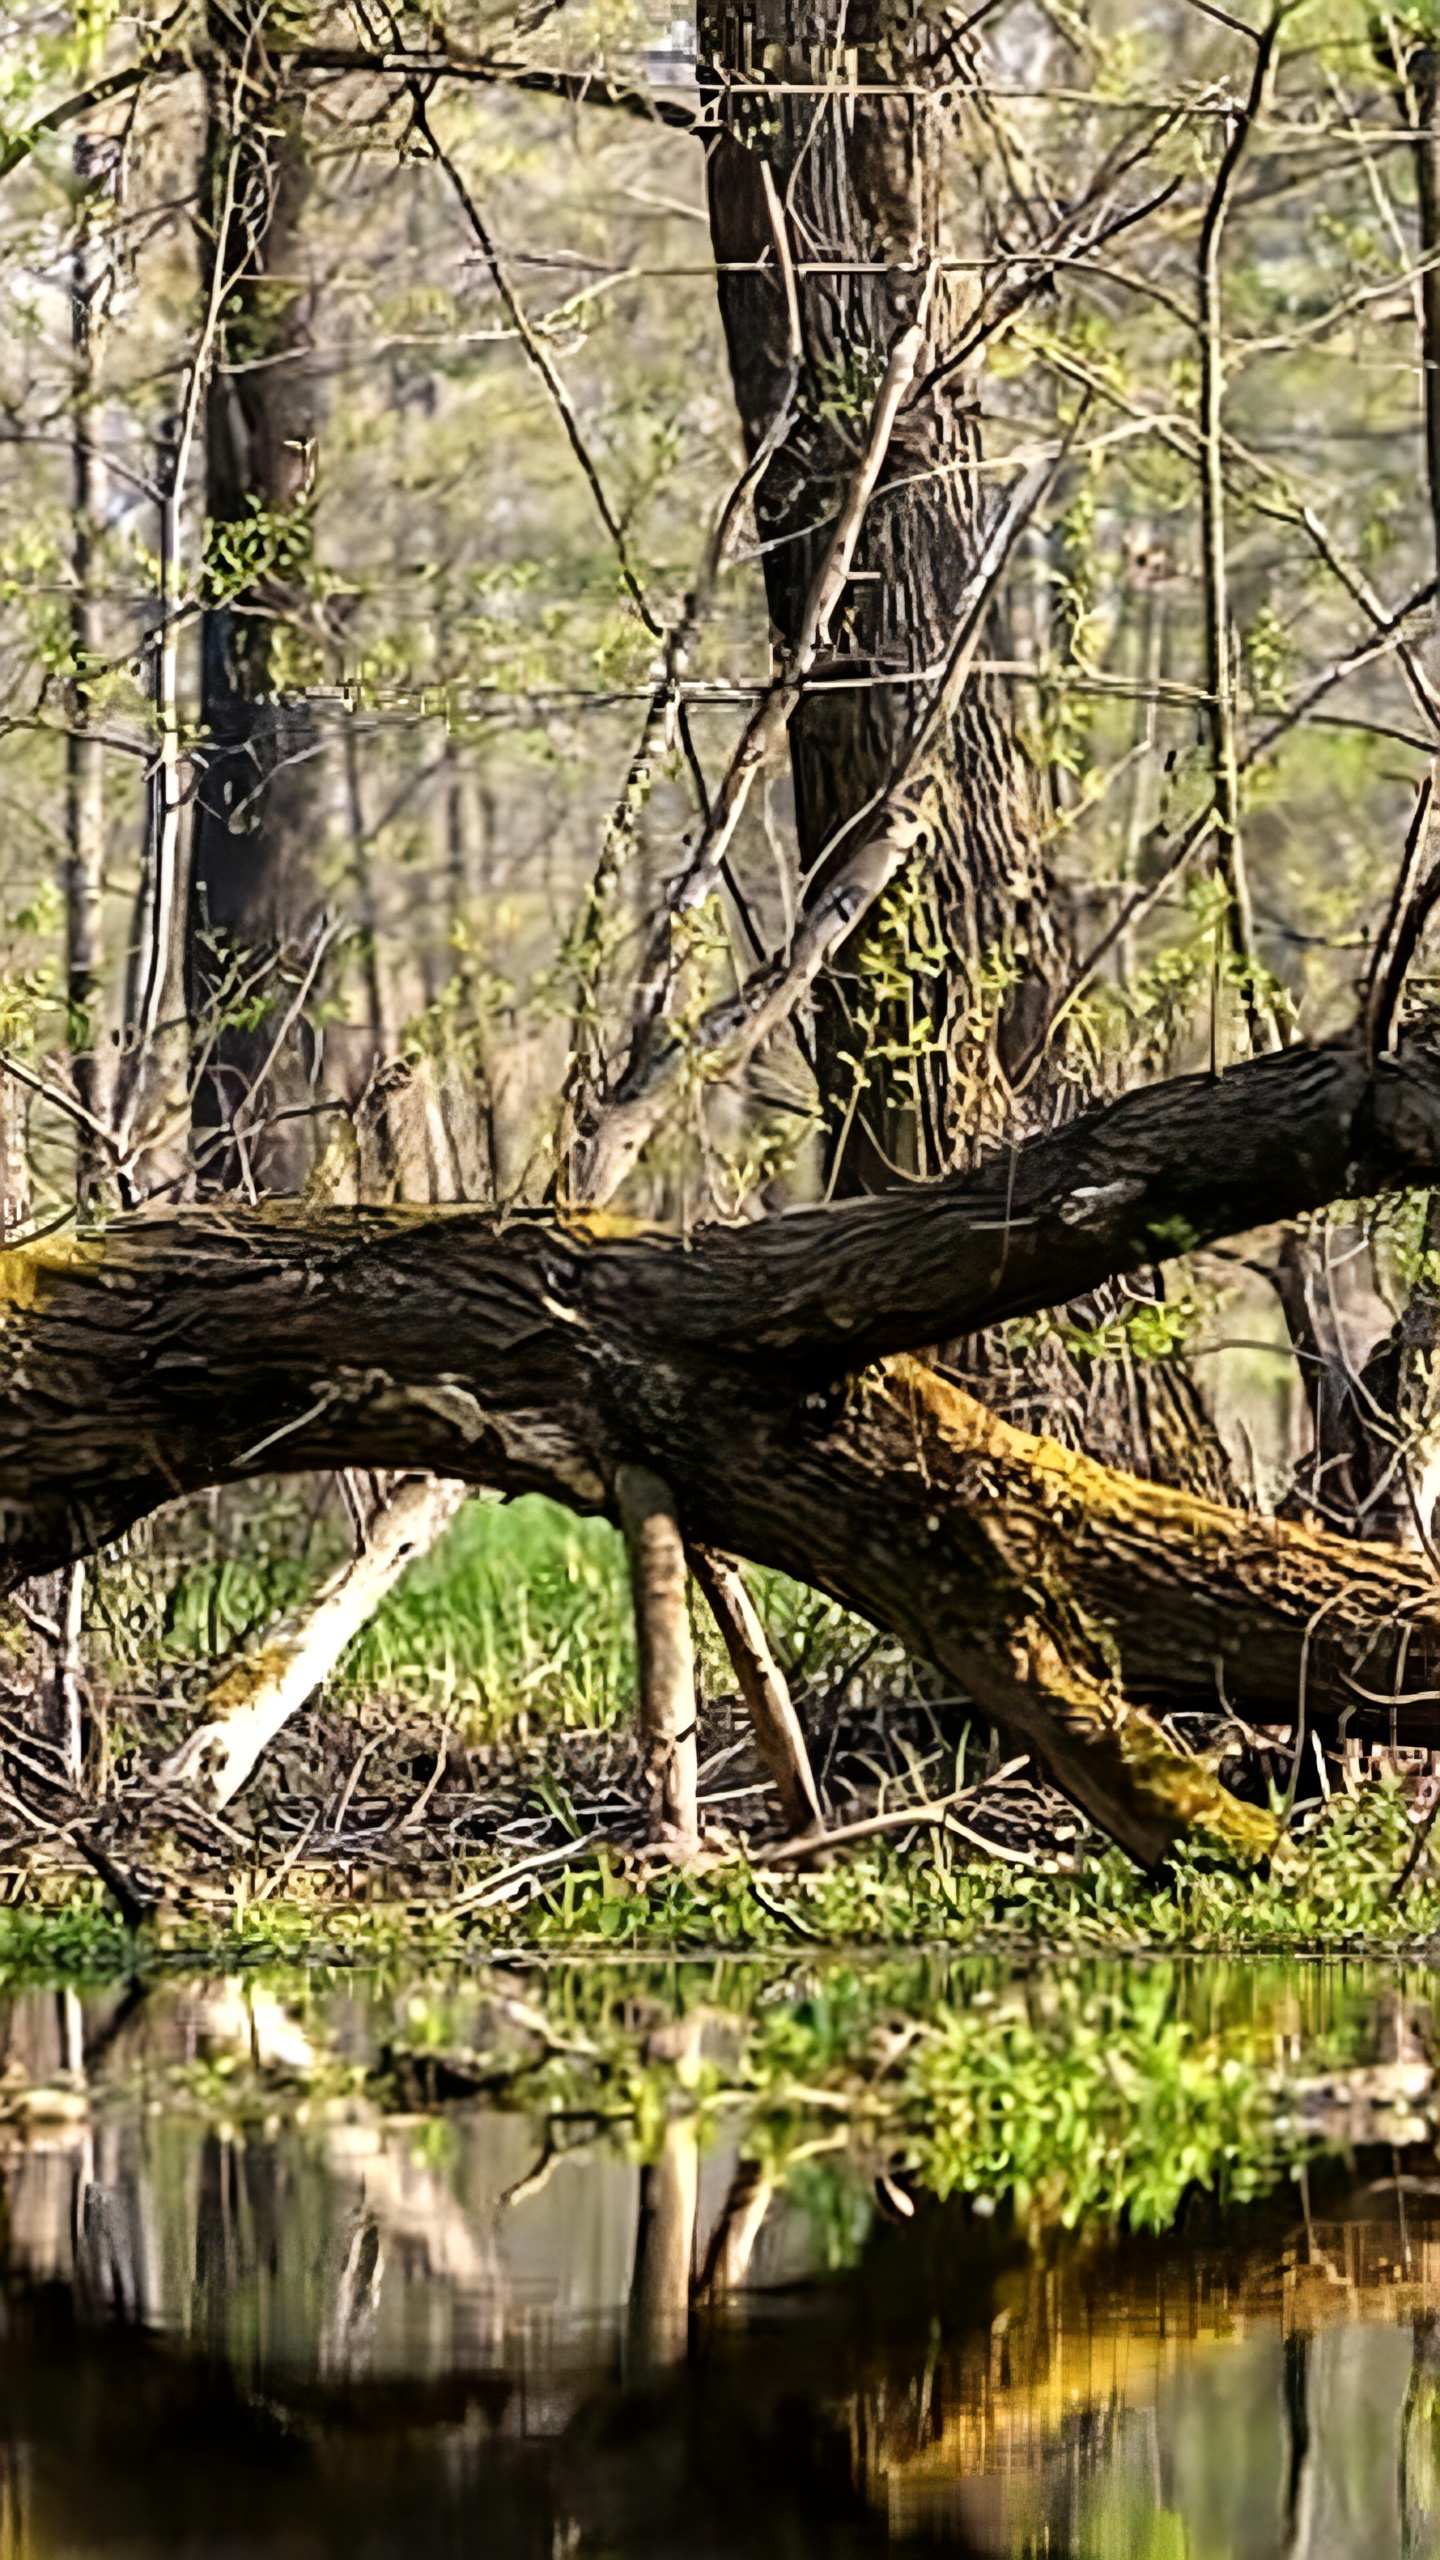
[318,2264]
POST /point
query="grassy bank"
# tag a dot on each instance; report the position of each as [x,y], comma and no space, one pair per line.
[1332,1892]
[510,1650]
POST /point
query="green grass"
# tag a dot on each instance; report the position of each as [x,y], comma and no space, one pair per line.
[521,1621]
[1331,1891]
[518,1622]
[520,1618]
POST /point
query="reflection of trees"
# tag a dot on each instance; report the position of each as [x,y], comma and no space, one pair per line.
[1420,2444]
[224,2165]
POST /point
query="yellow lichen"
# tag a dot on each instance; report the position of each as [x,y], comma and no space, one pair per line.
[246,1680]
[606,1226]
[30,1272]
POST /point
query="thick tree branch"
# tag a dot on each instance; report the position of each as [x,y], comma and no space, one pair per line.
[167,1353]
[163,1352]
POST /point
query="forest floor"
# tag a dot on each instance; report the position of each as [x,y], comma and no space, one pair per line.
[469,1783]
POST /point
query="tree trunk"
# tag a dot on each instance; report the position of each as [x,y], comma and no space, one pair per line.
[257,1695]
[168,1353]
[850,113]
[84,749]
[256,897]
[848,110]
[763,1687]
[659,1581]
[256,912]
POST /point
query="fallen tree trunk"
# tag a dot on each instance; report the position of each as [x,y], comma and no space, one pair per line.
[167,1353]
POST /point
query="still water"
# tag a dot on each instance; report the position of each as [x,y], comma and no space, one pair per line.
[1138,2266]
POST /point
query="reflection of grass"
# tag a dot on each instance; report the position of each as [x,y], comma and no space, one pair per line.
[1082,2091]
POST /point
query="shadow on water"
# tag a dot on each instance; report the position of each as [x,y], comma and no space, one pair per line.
[714,2262]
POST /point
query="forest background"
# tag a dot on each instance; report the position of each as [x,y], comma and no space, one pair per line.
[389,506]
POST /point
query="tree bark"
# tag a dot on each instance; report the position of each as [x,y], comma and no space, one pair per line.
[659,1581]
[256,1696]
[763,1687]
[84,748]
[167,1353]
[256,902]
[848,108]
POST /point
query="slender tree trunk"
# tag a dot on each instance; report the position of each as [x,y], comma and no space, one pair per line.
[70,1673]
[763,1687]
[14,1157]
[85,753]
[256,911]
[667,1702]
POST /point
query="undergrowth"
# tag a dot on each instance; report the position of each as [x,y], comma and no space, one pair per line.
[518,1622]
[1332,1890]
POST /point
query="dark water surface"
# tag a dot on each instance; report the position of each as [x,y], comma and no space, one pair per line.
[635,2263]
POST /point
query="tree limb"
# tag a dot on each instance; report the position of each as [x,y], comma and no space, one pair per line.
[165,1353]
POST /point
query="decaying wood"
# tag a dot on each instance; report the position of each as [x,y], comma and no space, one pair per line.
[165,1353]
[762,1685]
[659,1579]
[259,1694]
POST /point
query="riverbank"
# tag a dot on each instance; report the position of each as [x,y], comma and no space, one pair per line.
[1340,1886]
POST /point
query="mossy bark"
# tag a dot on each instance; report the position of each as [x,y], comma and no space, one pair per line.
[256,1696]
[180,1351]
